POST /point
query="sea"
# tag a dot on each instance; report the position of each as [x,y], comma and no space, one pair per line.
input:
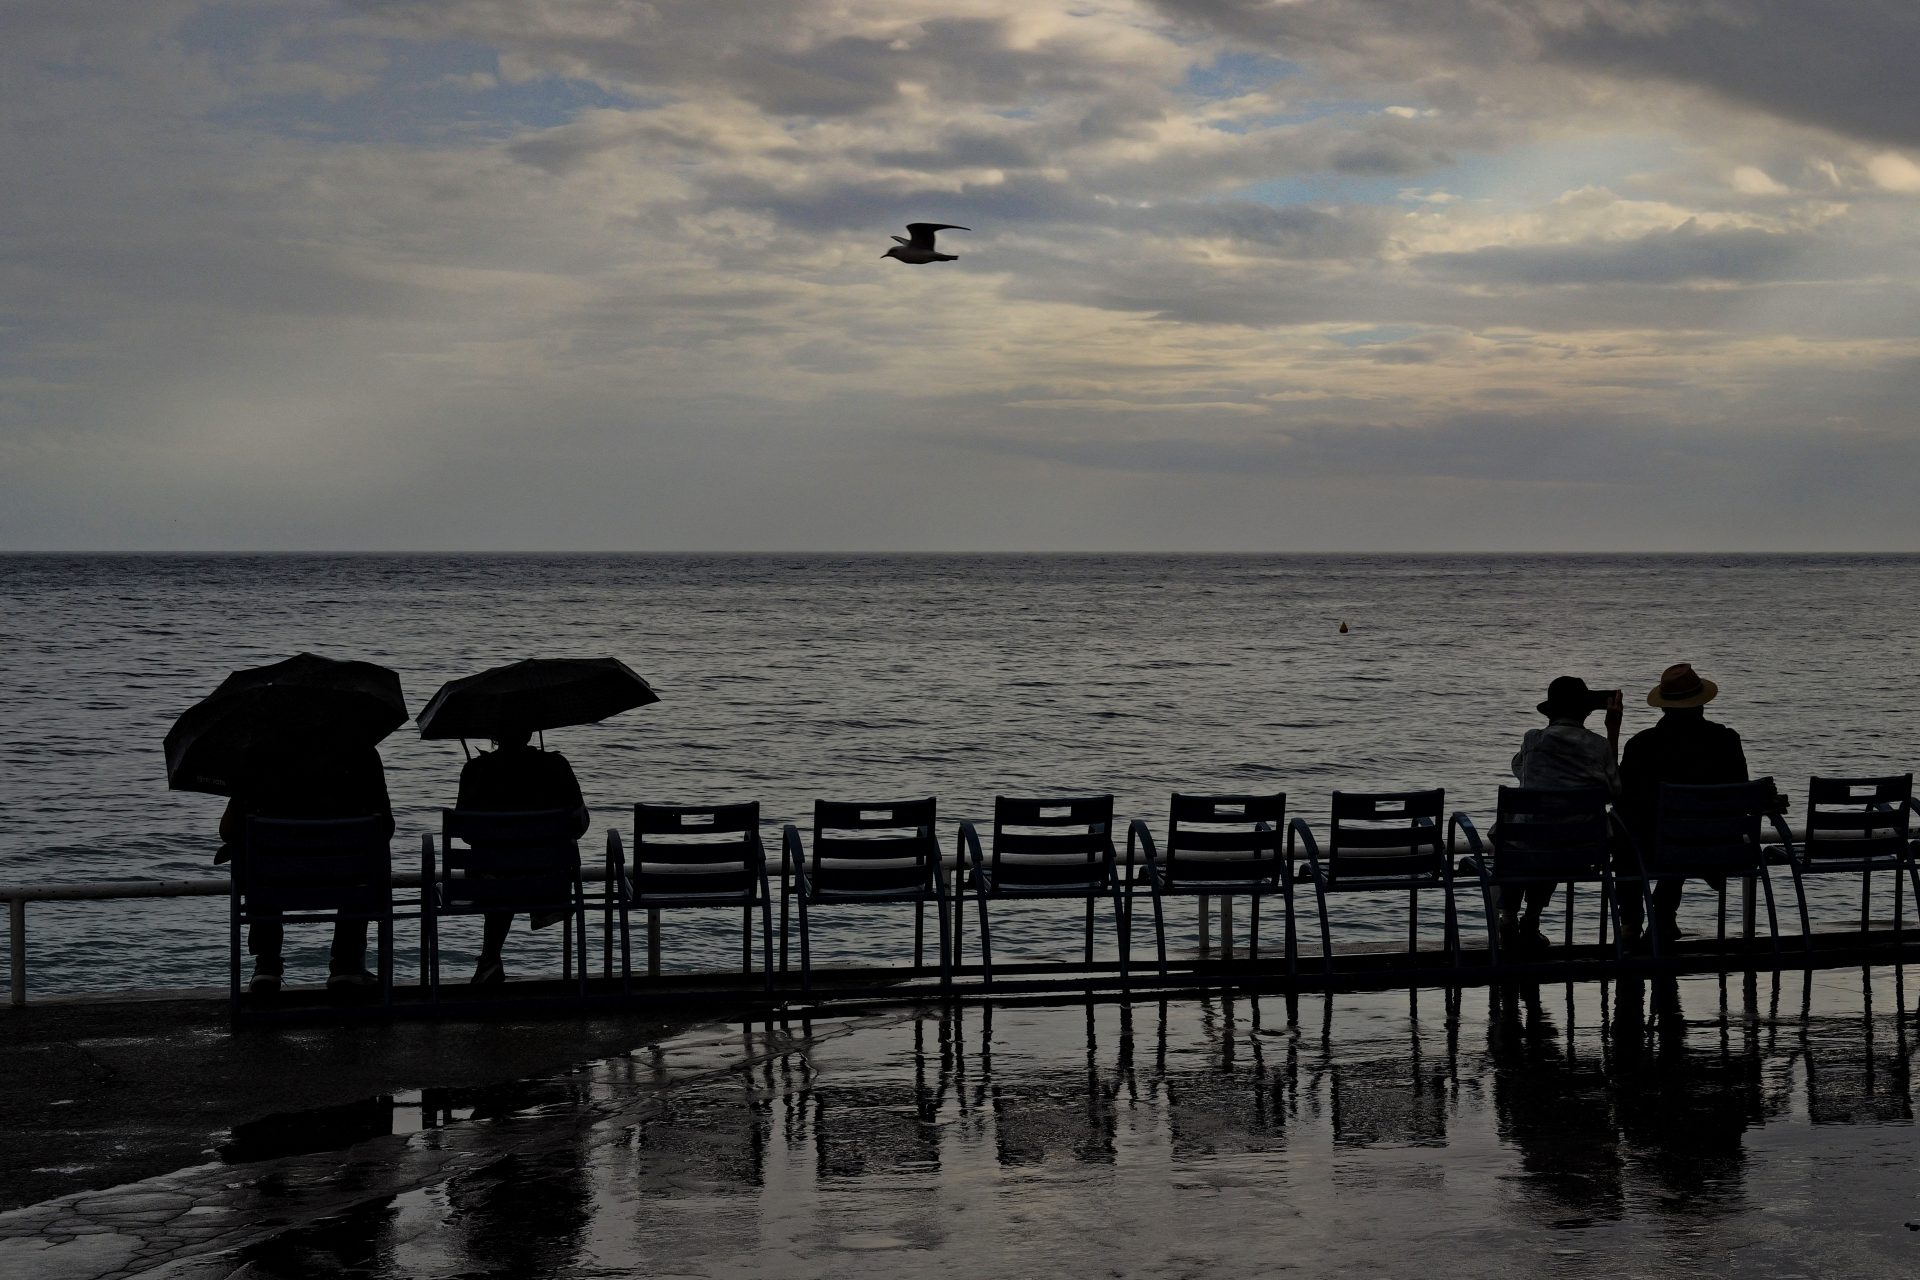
[786,678]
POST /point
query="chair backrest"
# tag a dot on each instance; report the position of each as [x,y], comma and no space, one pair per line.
[316,864]
[512,861]
[683,850]
[1225,838]
[1854,818]
[878,848]
[1550,831]
[1057,844]
[1711,829]
[1386,833]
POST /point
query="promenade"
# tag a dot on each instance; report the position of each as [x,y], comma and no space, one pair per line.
[1644,1125]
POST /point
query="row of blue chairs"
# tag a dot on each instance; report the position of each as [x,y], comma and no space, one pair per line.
[712,856]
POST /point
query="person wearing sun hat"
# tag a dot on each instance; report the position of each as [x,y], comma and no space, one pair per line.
[1563,754]
[1684,747]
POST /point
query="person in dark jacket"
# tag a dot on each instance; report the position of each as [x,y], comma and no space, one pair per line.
[517,777]
[307,780]
[1684,747]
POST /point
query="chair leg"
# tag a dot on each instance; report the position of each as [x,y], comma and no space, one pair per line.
[1159,926]
[1253,927]
[1568,940]
[1326,931]
[1087,949]
[626,947]
[1721,929]
[1452,924]
[1120,931]
[580,917]
[385,936]
[959,912]
[766,942]
[986,934]
[233,954]
[806,947]
[1293,945]
[785,899]
[946,939]
[1493,927]
[919,934]
[1800,896]
[1773,918]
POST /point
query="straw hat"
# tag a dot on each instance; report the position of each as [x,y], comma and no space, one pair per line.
[1680,687]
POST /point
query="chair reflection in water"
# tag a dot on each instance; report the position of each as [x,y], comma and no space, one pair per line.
[1380,842]
[865,854]
[1858,825]
[1217,846]
[1042,849]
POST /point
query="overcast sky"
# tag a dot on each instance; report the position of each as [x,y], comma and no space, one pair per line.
[1243,274]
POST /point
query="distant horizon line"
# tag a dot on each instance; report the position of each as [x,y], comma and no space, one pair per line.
[1427,553]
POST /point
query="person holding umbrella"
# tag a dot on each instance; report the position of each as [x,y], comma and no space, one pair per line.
[517,777]
[509,704]
[295,739]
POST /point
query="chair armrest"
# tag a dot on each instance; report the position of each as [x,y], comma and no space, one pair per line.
[967,838]
[1298,827]
[793,855]
[1141,836]
[1780,829]
[1460,822]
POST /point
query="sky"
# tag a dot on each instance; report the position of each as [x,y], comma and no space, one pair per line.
[1261,275]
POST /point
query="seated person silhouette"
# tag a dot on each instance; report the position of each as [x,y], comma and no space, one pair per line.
[307,780]
[1683,747]
[1564,754]
[517,777]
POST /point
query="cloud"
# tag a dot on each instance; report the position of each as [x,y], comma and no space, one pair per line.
[1687,254]
[560,273]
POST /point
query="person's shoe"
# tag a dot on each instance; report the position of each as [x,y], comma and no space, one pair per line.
[265,982]
[488,974]
[1530,938]
[352,980]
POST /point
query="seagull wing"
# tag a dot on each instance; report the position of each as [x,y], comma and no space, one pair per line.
[902,240]
[922,232]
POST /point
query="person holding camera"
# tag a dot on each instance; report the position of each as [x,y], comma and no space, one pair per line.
[1564,754]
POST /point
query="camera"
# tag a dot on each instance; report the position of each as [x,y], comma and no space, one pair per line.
[1601,697]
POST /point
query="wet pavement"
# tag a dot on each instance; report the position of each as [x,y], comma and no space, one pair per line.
[1699,1126]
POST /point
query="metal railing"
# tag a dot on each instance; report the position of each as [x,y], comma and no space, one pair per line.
[17,897]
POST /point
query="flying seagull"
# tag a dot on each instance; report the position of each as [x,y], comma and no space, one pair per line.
[920,249]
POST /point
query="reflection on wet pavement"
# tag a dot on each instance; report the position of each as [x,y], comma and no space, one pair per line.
[1660,1127]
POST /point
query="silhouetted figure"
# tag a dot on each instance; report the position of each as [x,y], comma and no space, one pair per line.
[1564,754]
[517,777]
[311,780]
[1684,747]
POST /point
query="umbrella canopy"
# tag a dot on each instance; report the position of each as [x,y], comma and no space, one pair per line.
[534,693]
[304,700]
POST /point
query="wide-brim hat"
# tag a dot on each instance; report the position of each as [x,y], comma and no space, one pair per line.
[1681,686]
[1567,695]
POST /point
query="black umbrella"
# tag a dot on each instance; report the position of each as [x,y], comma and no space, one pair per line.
[305,700]
[534,693]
